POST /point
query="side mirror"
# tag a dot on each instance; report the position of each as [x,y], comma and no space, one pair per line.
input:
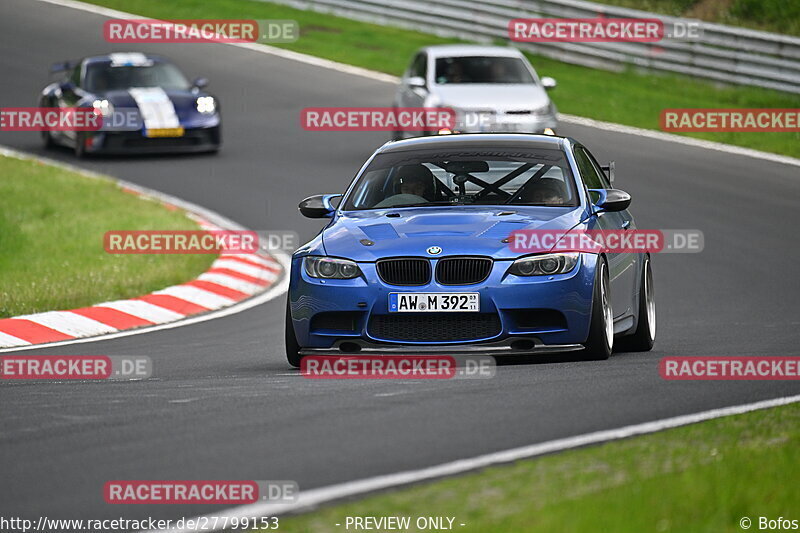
[66,85]
[61,66]
[611,200]
[416,82]
[200,83]
[548,83]
[318,206]
[609,170]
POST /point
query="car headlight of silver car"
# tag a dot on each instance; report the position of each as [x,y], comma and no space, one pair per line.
[544,265]
[206,104]
[330,267]
[546,109]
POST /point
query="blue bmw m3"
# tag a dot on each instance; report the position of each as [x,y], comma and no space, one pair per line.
[416,256]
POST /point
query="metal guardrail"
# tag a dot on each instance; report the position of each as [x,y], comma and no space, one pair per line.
[722,53]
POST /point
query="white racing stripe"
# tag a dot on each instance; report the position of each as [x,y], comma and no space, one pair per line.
[144,310]
[307,500]
[156,108]
[250,270]
[197,296]
[69,323]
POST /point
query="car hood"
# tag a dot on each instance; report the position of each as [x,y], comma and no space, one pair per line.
[470,230]
[500,97]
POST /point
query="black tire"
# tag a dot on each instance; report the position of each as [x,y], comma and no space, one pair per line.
[292,347]
[80,144]
[644,337]
[47,140]
[599,344]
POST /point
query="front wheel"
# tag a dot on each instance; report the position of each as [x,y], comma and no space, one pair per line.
[644,337]
[47,139]
[80,144]
[292,347]
[601,329]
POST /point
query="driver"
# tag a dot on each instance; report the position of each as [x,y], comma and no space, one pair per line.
[415,179]
[547,191]
[414,185]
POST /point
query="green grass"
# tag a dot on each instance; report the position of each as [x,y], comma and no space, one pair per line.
[779,16]
[52,223]
[699,478]
[630,97]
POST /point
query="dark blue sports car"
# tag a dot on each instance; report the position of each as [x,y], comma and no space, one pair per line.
[147,105]
[416,257]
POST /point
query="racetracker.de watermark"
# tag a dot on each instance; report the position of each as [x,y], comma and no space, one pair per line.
[729,368]
[278,240]
[181,242]
[200,31]
[68,367]
[602,30]
[377,118]
[755,120]
[49,119]
[585,30]
[397,367]
[227,492]
[606,241]
[96,118]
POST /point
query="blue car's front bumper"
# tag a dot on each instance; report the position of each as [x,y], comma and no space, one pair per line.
[550,310]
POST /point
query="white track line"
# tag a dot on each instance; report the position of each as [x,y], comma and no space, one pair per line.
[387,78]
[314,497]
[679,139]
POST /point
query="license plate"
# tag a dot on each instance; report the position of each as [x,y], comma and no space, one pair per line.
[164,132]
[434,302]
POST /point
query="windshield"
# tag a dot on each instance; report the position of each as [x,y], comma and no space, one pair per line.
[428,178]
[104,77]
[481,70]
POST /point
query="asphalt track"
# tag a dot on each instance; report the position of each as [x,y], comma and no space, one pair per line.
[223,404]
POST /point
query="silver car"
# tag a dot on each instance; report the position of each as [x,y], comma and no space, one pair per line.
[491,89]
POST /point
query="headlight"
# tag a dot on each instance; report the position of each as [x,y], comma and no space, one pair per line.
[544,265]
[330,268]
[206,104]
[103,107]
[546,109]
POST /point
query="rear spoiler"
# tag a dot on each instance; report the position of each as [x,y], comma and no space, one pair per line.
[609,170]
